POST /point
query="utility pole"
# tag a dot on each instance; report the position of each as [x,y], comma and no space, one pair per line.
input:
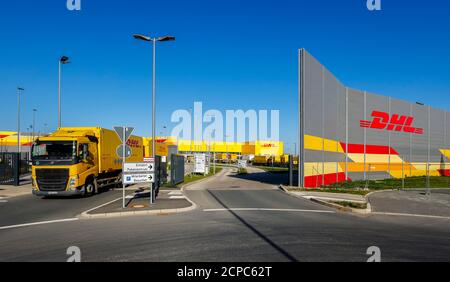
[19,92]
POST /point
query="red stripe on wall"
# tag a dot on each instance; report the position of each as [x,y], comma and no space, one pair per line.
[3,136]
[316,180]
[369,149]
[444,172]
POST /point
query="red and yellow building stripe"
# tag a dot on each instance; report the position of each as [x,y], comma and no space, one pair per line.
[363,158]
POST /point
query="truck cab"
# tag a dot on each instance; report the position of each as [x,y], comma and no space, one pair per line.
[65,166]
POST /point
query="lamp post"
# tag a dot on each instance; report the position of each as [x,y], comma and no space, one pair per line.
[29,141]
[153,40]
[190,141]
[62,61]
[34,125]
[19,92]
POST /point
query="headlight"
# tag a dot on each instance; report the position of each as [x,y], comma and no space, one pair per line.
[73,182]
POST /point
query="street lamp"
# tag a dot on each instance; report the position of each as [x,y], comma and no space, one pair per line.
[34,125]
[192,137]
[29,141]
[154,40]
[62,61]
[19,91]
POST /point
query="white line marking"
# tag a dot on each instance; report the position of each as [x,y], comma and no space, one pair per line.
[176,193]
[177,197]
[411,215]
[3,201]
[38,223]
[262,209]
[101,206]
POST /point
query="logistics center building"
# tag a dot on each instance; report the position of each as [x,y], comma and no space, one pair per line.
[347,134]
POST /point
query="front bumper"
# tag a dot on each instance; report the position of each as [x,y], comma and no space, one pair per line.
[67,193]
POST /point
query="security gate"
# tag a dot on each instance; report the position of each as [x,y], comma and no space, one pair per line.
[10,169]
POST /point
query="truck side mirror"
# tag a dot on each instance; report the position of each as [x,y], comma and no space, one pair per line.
[85,152]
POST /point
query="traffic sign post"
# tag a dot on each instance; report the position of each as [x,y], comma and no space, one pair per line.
[140,173]
[123,152]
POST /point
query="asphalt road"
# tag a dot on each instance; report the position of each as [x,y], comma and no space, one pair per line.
[29,208]
[239,219]
[413,202]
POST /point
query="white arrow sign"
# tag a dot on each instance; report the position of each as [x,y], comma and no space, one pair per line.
[139,168]
[139,178]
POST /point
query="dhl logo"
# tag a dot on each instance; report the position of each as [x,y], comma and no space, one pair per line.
[133,143]
[268,146]
[382,120]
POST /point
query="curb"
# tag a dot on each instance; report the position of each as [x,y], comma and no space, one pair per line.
[86,215]
[366,211]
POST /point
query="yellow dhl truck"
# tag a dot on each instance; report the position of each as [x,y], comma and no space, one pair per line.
[79,161]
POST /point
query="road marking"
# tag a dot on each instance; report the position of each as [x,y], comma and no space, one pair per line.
[38,223]
[263,209]
[3,201]
[101,206]
[411,215]
[177,197]
[178,193]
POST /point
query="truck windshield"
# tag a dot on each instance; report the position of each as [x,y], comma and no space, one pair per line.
[53,150]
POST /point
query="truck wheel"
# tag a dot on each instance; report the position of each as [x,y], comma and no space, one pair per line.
[89,188]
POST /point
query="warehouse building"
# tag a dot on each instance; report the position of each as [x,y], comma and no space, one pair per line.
[166,146]
[348,134]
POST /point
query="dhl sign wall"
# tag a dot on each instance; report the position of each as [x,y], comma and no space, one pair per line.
[347,134]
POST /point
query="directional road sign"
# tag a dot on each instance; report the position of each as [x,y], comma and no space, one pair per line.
[131,168]
[139,178]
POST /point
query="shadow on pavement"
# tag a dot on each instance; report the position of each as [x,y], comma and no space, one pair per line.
[282,251]
[266,177]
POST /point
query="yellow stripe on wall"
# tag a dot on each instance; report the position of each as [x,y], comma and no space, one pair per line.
[318,144]
[445,152]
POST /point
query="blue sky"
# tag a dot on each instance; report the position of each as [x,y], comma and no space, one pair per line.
[230,54]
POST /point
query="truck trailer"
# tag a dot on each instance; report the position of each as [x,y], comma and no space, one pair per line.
[79,161]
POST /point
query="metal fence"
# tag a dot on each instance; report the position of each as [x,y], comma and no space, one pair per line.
[12,166]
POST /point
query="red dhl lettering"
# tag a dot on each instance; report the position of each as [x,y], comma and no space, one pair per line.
[396,122]
[268,145]
[133,143]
